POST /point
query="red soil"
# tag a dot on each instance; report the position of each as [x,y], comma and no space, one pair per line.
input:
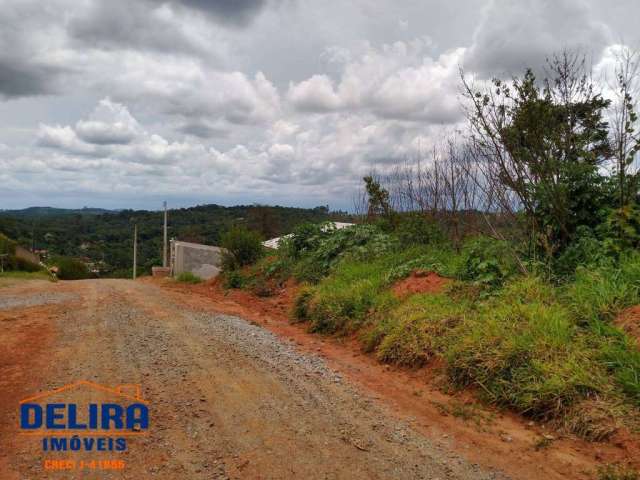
[629,321]
[420,281]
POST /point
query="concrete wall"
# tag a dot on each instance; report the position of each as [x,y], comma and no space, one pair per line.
[204,261]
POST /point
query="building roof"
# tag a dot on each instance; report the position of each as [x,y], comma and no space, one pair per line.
[274,243]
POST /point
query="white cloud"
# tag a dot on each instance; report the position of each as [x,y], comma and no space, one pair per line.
[110,123]
[315,95]
[398,81]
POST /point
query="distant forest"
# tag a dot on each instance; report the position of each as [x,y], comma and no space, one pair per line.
[104,238]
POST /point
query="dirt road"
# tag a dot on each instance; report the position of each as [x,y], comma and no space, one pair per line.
[227,398]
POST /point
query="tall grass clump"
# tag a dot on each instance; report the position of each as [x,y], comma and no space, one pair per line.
[523,350]
[595,298]
[342,301]
[600,294]
[188,277]
[412,333]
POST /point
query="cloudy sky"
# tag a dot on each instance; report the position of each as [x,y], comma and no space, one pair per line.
[124,103]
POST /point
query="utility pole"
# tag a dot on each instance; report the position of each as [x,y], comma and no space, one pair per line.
[164,243]
[135,249]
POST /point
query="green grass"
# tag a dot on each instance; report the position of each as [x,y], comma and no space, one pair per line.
[6,278]
[526,356]
[342,301]
[411,333]
[521,348]
[188,277]
[617,472]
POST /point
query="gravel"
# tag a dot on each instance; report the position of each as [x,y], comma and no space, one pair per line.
[34,300]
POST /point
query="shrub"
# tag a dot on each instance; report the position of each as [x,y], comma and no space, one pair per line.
[306,237]
[621,229]
[322,252]
[416,229]
[586,249]
[487,261]
[243,247]
[233,279]
[188,277]
[72,269]
[7,246]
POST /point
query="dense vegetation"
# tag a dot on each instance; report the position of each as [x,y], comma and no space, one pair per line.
[8,259]
[104,240]
[534,218]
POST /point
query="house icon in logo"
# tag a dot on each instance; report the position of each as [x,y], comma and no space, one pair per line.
[124,391]
[84,407]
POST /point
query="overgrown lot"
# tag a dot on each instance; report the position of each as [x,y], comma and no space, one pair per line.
[544,347]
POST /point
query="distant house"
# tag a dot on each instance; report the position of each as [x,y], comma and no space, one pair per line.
[274,243]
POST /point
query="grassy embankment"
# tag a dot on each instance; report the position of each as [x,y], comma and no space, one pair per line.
[546,349]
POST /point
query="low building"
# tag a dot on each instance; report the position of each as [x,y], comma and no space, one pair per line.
[204,261]
[274,243]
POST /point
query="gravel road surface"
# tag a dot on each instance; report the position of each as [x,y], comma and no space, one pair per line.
[227,398]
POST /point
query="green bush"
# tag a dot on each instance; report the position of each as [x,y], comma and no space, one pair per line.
[72,269]
[305,238]
[416,229]
[233,279]
[585,250]
[621,229]
[242,247]
[320,252]
[487,261]
[188,277]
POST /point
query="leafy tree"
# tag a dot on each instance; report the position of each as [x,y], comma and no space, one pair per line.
[545,142]
[379,205]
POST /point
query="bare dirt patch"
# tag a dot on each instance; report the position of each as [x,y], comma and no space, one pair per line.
[629,321]
[420,281]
